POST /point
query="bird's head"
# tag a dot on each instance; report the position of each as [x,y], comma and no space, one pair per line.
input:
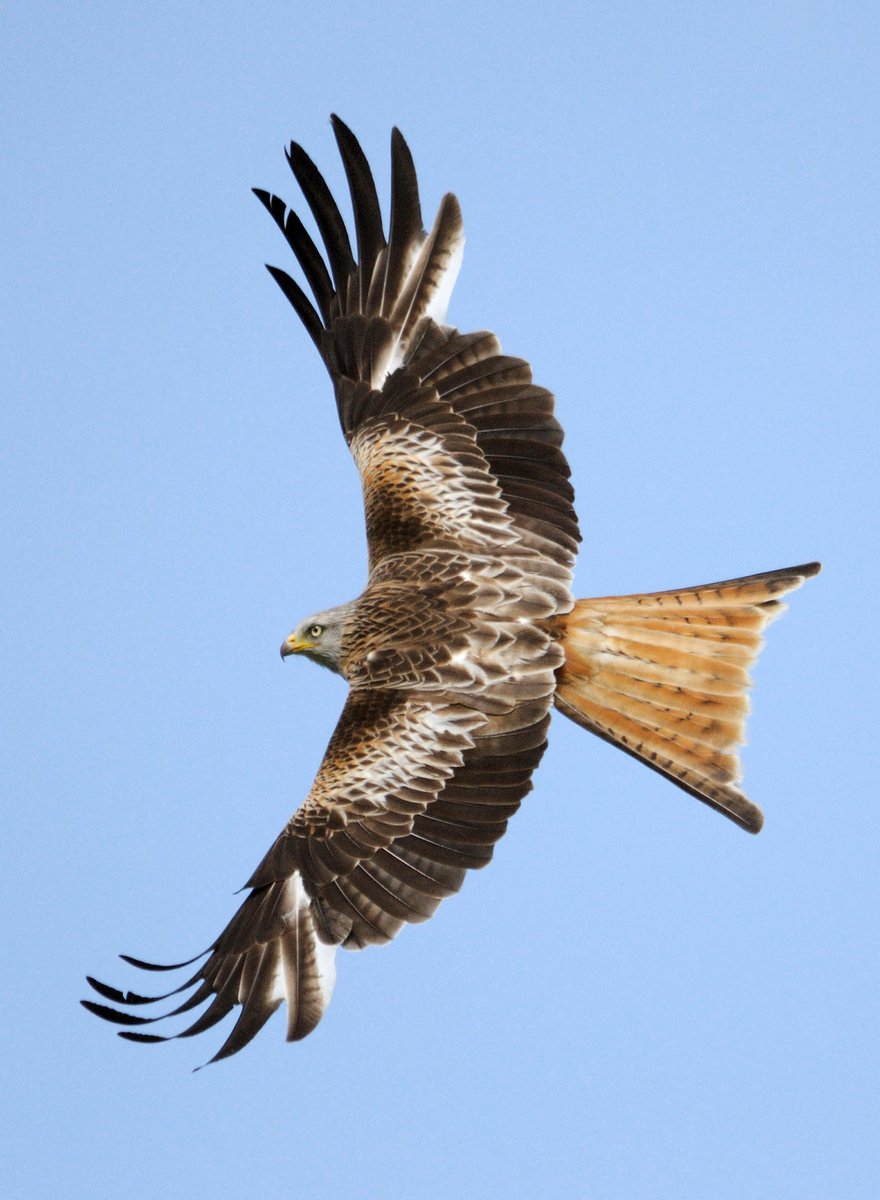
[319,638]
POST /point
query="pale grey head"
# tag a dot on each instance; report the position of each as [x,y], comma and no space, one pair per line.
[319,637]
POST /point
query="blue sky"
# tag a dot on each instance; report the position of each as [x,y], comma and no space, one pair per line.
[671,211]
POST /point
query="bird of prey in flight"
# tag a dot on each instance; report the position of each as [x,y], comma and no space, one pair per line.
[467,633]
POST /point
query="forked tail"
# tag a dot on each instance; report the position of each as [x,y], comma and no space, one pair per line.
[664,676]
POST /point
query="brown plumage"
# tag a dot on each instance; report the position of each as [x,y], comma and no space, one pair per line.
[467,632]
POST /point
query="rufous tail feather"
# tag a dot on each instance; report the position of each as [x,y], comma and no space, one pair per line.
[664,676]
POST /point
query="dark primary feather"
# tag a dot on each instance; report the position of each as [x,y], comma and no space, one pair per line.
[301,304]
[307,254]
[406,220]
[365,206]
[327,216]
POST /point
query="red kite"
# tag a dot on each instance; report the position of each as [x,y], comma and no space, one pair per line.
[467,633]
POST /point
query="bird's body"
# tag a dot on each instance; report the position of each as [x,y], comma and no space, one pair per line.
[467,633]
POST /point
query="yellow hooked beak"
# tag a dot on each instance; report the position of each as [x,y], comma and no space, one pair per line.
[295,645]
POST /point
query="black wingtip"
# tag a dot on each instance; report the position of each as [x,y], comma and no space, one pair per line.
[105,990]
[145,966]
[297,157]
[119,997]
[343,134]
[112,1015]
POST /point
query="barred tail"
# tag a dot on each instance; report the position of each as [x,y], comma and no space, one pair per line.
[664,676]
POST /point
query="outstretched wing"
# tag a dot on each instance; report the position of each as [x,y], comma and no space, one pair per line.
[414,789]
[389,757]
[401,375]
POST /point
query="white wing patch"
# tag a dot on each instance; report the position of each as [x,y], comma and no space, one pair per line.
[287,987]
[439,303]
[427,287]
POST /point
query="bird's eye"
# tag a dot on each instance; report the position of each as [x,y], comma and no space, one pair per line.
[316,631]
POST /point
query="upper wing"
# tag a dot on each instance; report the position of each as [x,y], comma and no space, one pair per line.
[400,374]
